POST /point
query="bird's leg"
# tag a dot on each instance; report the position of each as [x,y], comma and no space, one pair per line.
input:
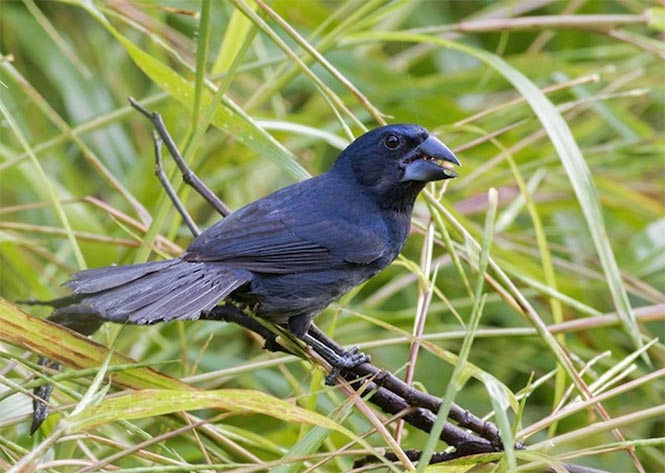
[335,355]
[414,397]
[188,175]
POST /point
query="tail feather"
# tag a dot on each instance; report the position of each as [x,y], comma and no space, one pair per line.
[135,294]
[155,292]
[138,294]
[190,298]
[208,293]
[108,277]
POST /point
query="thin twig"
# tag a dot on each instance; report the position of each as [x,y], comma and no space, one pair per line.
[188,175]
[170,191]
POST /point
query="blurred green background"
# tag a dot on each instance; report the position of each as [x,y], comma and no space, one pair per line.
[558,106]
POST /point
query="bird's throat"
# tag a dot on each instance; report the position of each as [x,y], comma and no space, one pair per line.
[401,198]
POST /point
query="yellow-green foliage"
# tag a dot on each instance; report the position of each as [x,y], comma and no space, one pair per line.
[536,295]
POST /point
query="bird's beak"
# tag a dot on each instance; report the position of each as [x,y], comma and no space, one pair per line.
[429,161]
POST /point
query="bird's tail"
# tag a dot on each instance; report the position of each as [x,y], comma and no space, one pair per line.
[136,294]
[144,293]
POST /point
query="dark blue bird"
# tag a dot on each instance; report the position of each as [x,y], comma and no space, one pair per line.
[287,255]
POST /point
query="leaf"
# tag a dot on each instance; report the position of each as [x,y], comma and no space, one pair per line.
[237,30]
[70,348]
[156,402]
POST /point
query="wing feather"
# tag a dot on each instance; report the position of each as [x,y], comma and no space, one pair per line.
[284,234]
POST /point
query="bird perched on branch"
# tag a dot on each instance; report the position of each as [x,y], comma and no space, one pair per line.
[286,256]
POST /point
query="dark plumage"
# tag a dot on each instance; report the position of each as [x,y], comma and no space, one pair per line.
[287,255]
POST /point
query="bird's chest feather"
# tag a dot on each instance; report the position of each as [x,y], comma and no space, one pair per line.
[368,236]
[361,244]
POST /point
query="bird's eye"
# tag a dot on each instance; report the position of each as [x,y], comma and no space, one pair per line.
[392,141]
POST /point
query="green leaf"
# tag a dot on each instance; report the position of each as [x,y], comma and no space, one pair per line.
[236,31]
[155,402]
[67,347]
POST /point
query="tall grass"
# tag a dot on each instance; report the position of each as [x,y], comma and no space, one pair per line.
[530,290]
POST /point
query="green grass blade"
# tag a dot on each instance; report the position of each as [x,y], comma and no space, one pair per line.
[237,31]
[459,376]
[201,59]
[155,402]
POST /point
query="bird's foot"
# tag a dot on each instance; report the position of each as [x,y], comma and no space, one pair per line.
[346,360]
[351,358]
[337,357]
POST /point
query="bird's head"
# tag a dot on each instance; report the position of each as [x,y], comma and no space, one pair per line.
[396,161]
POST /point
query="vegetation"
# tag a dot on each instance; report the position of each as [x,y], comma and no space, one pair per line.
[531,289]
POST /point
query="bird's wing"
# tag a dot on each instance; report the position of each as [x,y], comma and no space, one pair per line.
[280,239]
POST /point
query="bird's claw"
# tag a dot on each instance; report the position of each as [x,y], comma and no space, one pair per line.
[346,360]
[335,355]
[352,358]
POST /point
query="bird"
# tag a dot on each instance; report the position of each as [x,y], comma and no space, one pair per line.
[286,256]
